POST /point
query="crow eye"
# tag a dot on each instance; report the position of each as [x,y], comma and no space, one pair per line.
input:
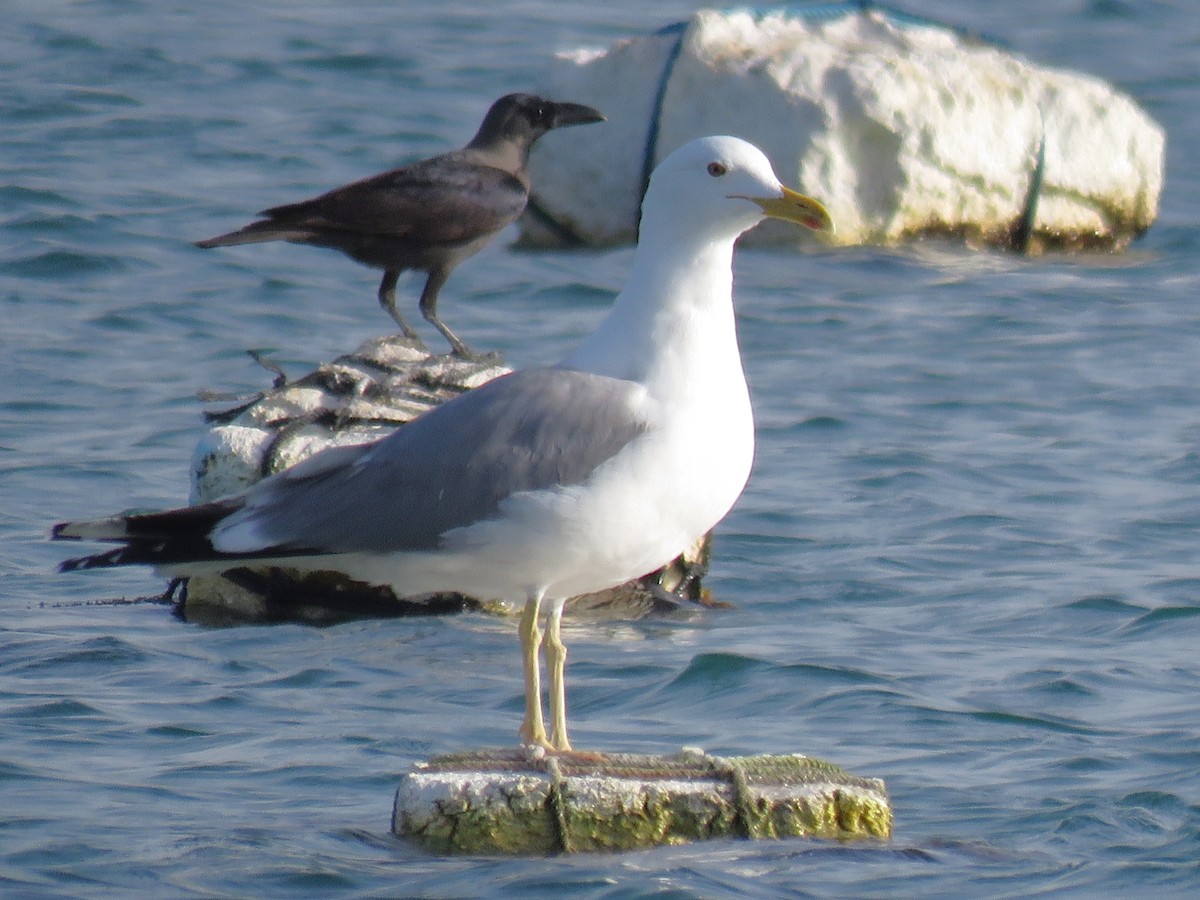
[716,169]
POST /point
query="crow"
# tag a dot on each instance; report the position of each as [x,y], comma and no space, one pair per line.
[428,216]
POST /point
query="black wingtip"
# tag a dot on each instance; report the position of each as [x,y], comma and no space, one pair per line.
[96,561]
[59,532]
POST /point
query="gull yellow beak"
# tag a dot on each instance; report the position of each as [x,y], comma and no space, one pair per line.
[795,207]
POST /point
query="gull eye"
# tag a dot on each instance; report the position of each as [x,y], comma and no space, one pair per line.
[716,169]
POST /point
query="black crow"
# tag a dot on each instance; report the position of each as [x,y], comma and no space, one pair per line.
[430,215]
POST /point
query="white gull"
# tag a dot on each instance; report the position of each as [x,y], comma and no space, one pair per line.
[545,483]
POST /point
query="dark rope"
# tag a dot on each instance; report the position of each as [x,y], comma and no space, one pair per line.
[563,233]
[650,152]
[731,770]
[1022,232]
[558,803]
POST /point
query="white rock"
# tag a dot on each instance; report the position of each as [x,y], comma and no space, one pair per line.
[358,397]
[304,442]
[227,460]
[902,130]
[290,402]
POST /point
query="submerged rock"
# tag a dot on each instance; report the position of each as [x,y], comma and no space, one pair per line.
[903,127]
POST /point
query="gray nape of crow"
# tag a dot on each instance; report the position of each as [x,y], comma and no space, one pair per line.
[428,216]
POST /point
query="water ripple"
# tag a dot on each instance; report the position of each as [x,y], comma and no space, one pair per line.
[965,561]
[55,265]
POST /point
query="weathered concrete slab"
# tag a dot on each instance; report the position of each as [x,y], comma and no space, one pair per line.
[507,802]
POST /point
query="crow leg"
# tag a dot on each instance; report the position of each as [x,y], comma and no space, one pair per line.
[387,299]
[429,299]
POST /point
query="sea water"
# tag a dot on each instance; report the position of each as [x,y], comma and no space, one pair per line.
[966,561]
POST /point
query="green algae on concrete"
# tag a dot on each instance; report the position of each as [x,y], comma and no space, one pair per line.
[505,802]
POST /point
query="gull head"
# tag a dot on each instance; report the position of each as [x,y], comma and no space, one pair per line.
[729,184]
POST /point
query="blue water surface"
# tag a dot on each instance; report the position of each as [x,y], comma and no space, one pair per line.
[966,561]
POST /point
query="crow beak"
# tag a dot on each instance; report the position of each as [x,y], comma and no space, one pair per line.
[564,114]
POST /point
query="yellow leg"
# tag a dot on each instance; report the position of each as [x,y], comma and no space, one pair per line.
[533,728]
[556,663]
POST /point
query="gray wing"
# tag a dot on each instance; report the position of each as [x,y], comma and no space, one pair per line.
[448,468]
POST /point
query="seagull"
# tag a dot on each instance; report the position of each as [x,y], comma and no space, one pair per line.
[428,216]
[544,483]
